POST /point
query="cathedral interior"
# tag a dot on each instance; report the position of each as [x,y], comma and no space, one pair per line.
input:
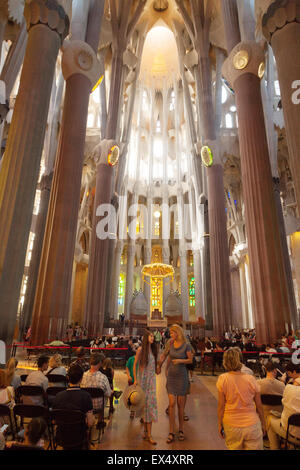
[150,169]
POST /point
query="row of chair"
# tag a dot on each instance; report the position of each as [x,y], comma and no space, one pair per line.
[68,419]
[294,419]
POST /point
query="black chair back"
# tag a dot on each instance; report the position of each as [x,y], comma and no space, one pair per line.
[94,392]
[71,431]
[271,400]
[29,411]
[53,391]
[30,391]
[294,420]
[57,378]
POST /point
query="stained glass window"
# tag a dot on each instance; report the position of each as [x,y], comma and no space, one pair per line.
[121,293]
[192,291]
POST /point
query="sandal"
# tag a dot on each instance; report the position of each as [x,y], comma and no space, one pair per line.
[171,438]
[181,436]
[145,435]
[151,441]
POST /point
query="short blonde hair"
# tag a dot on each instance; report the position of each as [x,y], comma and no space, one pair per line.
[180,333]
[231,360]
[55,361]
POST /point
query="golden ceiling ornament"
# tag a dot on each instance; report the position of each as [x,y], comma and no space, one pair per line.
[158,270]
[113,155]
[261,69]
[241,60]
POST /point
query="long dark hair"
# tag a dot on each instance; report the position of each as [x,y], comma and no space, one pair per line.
[144,358]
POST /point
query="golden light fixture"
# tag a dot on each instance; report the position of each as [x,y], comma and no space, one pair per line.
[207,156]
[113,155]
[158,270]
[241,60]
[261,69]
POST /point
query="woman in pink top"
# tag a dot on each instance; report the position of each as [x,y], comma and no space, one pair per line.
[240,413]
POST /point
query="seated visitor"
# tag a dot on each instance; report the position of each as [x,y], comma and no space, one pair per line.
[109,343]
[95,378]
[289,376]
[271,386]
[7,394]
[34,435]
[277,427]
[12,377]
[74,398]
[56,367]
[240,413]
[107,369]
[81,360]
[37,378]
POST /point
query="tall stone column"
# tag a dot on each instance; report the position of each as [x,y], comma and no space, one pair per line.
[14,60]
[207,287]
[165,247]
[148,246]
[184,283]
[51,309]
[281,28]
[198,283]
[45,187]
[219,254]
[98,256]
[270,295]
[231,20]
[116,279]
[129,278]
[50,148]
[47,26]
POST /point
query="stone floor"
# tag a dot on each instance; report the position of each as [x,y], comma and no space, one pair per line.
[201,430]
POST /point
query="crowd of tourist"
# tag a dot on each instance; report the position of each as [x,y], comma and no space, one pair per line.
[243,420]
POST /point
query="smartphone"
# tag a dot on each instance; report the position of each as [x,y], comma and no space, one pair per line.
[4,427]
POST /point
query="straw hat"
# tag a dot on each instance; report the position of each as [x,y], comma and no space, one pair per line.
[134,398]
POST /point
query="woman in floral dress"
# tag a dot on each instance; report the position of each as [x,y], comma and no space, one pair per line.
[145,363]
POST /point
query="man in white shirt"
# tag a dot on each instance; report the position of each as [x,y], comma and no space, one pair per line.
[291,405]
[270,385]
[37,378]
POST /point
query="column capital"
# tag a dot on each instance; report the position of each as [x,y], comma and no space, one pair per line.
[49,13]
[100,152]
[280,13]
[12,10]
[80,58]
[245,57]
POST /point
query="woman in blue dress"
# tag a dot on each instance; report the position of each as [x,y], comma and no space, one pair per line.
[178,384]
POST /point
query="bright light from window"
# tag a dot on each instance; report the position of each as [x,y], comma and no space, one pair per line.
[277,88]
[233,109]
[228,121]
[224,95]
[158,148]
[90,121]
[96,95]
